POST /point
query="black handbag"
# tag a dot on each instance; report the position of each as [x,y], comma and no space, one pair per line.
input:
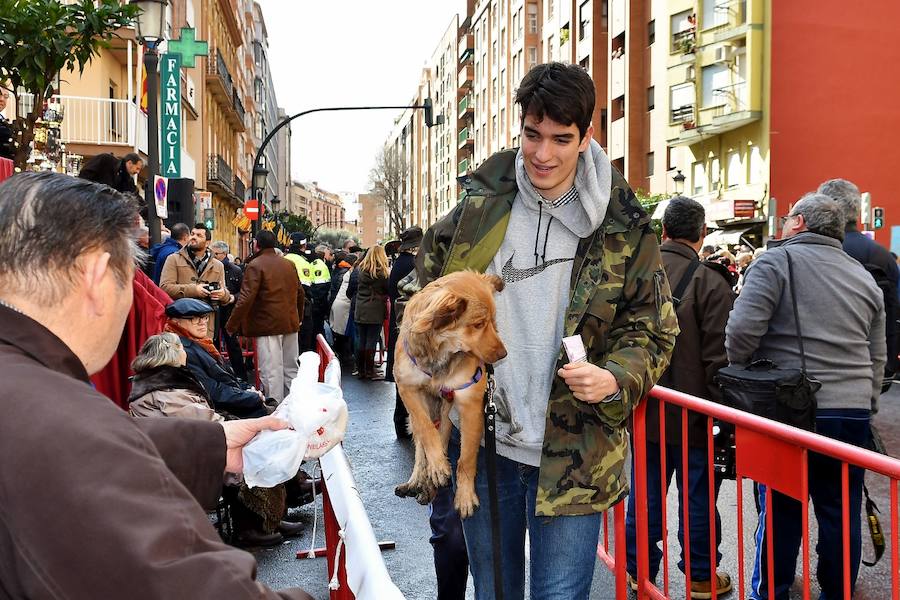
[764,389]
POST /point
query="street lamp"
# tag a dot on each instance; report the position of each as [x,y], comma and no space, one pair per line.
[151,29]
[275,202]
[260,174]
[679,182]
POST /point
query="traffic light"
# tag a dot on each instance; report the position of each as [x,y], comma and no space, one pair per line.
[877,217]
[429,112]
[209,218]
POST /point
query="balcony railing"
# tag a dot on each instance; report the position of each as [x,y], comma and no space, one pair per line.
[463,166]
[465,137]
[465,105]
[682,114]
[101,121]
[240,190]
[218,173]
[684,41]
[734,97]
[219,70]
[239,107]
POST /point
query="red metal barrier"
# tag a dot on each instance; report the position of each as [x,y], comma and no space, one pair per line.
[767,452]
[326,355]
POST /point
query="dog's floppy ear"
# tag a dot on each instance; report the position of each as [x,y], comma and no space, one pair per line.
[441,312]
[495,281]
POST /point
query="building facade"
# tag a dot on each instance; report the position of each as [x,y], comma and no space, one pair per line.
[322,208]
[372,220]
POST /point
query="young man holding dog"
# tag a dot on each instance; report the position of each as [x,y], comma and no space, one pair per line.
[563,229]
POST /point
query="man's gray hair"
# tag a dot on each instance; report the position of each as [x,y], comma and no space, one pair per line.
[322,247]
[48,221]
[161,350]
[846,194]
[220,246]
[822,215]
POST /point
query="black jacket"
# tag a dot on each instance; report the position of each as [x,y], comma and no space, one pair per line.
[166,378]
[234,276]
[109,170]
[228,393]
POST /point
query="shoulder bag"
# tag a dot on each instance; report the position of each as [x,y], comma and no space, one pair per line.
[764,389]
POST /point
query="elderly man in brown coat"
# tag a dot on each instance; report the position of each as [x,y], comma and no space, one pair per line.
[270,308]
[703,299]
[95,503]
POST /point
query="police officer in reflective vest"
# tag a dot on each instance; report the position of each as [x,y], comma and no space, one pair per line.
[316,281]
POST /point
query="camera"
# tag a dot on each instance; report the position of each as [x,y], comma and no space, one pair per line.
[212,286]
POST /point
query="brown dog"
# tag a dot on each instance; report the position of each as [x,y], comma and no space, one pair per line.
[447,337]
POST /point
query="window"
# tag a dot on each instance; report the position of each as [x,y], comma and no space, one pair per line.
[681,26]
[494,46]
[532,56]
[651,33]
[503,82]
[502,121]
[715,81]
[715,172]
[586,63]
[584,17]
[681,101]
[735,174]
[532,17]
[698,178]
[650,161]
[551,52]
[651,98]
[715,13]
[604,15]
[494,90]
[549,8]
[520,21]
[503,42]
[757,165]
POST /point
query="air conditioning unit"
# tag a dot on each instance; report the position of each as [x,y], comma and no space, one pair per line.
[690,73]
[725,53]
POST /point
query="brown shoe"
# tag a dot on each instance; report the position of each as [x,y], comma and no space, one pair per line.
[701,590]
[288,529]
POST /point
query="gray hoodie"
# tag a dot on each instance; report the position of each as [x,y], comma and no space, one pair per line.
[841,318]
[535,261]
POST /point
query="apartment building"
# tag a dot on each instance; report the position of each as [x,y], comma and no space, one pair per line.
[321,207]
[372,220]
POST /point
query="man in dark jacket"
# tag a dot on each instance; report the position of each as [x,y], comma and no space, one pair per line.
[269,308]
[405,262]
[233,278]
[180,234]
[7,143]
[147,534]
[116,173]
[703,299]
[875,258]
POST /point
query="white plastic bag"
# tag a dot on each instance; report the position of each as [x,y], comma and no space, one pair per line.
[318,417]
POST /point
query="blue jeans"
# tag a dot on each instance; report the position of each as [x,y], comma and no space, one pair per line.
[451,563]
[563,549]
[698,511]
[848,425]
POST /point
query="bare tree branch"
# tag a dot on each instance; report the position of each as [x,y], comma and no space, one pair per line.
[387,178]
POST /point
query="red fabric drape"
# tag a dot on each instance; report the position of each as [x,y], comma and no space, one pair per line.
[6,168]
[146,318]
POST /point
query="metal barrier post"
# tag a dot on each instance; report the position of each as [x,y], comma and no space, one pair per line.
[640,499]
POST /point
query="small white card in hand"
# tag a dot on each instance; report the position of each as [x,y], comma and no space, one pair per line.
[575,349]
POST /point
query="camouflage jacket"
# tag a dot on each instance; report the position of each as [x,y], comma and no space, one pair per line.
[620,304]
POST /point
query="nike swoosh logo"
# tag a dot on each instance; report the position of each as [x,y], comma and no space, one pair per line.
[512,275]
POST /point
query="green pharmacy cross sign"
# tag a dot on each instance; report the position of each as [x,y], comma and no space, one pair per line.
[181,53]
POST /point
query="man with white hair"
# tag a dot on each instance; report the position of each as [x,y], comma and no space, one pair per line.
[842,325]
[131,489]
[874,257]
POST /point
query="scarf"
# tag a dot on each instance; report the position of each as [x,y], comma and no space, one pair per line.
[201,262]
[205,342]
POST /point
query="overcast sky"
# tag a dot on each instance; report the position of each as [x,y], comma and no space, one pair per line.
[346,53]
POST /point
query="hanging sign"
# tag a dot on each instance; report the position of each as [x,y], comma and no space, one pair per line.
[170,121]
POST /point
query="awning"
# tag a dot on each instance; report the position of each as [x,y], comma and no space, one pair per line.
[730,237]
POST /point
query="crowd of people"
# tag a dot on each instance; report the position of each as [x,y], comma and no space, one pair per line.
[578,257]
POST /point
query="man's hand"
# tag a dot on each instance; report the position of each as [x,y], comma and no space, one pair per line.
[217,294]
[588,382]
[238,433]
[201,291]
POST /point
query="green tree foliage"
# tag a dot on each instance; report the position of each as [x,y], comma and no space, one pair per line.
[295,223]
[648,203]
[41,38]
[335,237]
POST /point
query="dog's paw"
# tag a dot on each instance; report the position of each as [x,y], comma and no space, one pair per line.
[426,494]
[465,502]
[408,490]
[439,472]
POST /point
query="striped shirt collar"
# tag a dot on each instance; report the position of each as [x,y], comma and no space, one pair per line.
[566,198]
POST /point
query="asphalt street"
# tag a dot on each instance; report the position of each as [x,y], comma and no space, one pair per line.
[380,462]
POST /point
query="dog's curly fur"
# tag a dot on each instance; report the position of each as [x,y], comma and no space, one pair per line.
[449,328]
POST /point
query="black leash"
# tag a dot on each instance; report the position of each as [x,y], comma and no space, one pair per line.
[490,453]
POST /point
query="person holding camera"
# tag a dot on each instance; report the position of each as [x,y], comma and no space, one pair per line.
[193,272]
